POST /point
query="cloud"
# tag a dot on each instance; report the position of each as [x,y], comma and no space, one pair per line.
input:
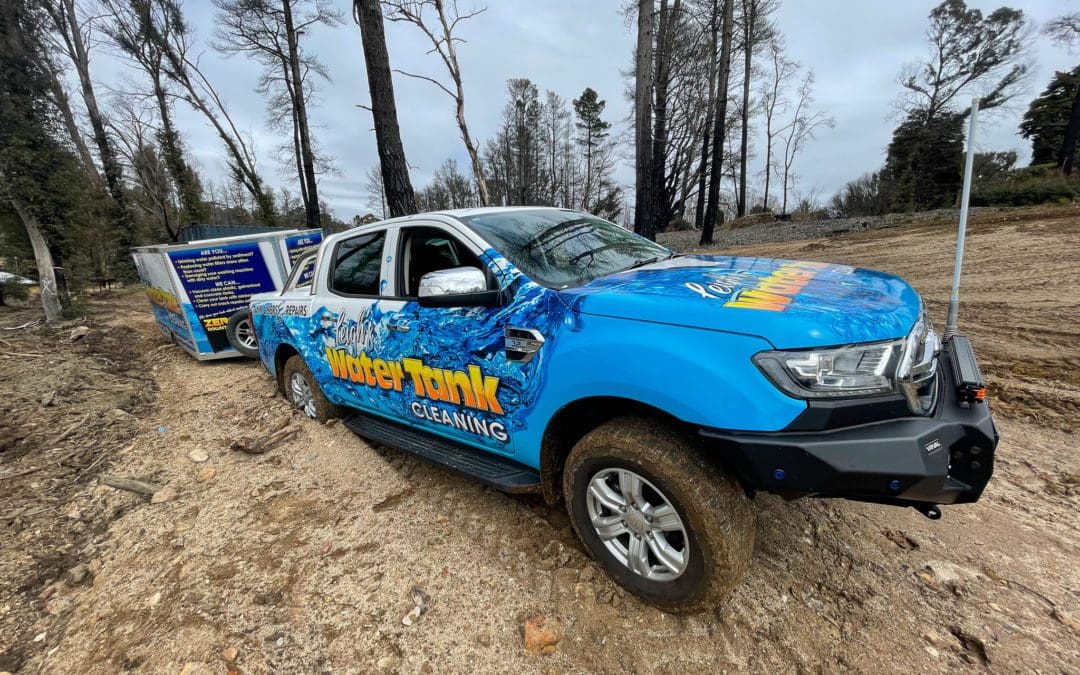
[855,49]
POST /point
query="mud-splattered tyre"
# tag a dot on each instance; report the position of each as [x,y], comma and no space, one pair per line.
[241,334]
[668,526]
[304,393]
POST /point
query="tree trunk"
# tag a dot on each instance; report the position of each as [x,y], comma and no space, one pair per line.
[1072,132]
[658,194]
[703,167]
[68,23]
[712,206]
[748,51]
[768,155]
[242,164]
[395,170]
[50,296]
[187,187]
[63,104]
[459,113]
[643,83]
[311,204]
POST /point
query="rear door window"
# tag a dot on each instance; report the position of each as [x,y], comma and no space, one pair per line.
[356,265]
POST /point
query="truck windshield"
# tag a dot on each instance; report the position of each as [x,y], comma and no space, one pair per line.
[562,249]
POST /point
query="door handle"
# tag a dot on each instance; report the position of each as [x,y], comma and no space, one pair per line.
[399,326]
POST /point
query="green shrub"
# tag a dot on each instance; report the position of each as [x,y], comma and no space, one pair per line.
[1028,187]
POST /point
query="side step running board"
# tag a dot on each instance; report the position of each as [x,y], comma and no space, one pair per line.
[498,472]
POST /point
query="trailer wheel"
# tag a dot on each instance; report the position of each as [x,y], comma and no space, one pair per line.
[304,393]
[241,334]
[669,526]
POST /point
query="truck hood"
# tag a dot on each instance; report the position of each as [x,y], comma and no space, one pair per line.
[792,304]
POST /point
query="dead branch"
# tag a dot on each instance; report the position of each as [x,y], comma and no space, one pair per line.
[38,468]
[258,445]
[24,325]
[131,485]
[70,430]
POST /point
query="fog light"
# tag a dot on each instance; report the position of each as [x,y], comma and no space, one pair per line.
[894,486]
[778,474]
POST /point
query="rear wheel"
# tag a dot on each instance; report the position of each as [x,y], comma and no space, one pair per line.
[241,334]
[669,527]
[304,393]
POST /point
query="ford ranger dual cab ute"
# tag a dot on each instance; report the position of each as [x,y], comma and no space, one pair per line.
[546,350]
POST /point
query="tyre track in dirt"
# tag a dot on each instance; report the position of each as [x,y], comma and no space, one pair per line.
[304,559]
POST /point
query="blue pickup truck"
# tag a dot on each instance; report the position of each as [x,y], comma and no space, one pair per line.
[546,350]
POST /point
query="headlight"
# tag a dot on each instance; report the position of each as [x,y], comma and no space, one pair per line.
[907,365]
[854,370]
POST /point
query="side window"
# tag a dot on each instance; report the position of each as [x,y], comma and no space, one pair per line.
[356,264]
[430,249]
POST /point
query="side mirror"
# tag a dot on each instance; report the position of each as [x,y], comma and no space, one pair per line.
[456,287]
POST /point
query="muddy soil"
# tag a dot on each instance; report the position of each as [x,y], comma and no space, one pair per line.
[306,558]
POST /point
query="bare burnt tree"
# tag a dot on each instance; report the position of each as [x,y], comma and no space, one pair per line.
[131,26]
[182,69]
[400,198]
[712,203]
[658,213]
[556,125]
[712,13]
[438,19]
[152,191]
[375,192]
[756,31]
[804,123]
[780,72]
[73,34]
[269,31]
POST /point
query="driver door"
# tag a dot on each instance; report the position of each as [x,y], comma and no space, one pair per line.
[459,382]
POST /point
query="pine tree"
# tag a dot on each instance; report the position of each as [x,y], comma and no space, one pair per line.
[593,132]
[923,161]
[1047,117]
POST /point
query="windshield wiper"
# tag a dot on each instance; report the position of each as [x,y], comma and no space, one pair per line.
[649,261]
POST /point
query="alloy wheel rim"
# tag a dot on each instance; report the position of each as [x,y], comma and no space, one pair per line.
[303,397]
[638,524]
[245,335]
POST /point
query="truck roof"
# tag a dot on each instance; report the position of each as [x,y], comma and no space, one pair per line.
[455,214]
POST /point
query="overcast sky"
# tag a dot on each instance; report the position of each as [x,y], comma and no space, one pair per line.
[855,47]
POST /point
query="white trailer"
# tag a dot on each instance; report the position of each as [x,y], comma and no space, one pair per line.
[199,291]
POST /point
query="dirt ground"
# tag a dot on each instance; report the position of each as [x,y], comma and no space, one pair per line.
[307,557]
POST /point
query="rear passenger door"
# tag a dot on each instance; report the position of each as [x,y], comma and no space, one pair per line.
[345,327]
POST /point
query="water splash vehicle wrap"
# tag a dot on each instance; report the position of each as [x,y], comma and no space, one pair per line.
[678,335]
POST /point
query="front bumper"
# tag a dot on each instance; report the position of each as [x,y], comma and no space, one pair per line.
[944,458]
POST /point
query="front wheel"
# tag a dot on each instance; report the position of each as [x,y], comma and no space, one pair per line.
[668,526]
